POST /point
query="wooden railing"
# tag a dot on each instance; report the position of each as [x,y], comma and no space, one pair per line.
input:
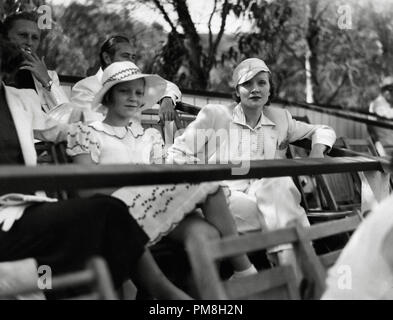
[49,177]
[350,123]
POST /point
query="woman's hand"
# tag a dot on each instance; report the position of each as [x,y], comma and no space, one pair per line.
[37,67]
[318,151]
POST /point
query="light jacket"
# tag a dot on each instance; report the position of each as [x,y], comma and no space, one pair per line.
[31,122]
[217,135]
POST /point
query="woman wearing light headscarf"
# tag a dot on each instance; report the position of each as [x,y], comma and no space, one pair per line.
[252,130]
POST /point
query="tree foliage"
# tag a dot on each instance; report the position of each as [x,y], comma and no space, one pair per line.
[346,64]
[10,6]
[192,58]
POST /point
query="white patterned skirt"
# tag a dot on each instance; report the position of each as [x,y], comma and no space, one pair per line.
[159,209]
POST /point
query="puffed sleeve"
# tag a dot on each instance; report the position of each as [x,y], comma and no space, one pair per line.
[172,91]
[157,151]
[82,139]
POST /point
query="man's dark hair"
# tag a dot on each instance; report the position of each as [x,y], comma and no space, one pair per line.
[388,87]
[271,95]
[12,18]
[109,47]
[11,57]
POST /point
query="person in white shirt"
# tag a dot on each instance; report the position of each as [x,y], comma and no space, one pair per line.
[41,231]
[364,270]
[383,104]
[22,30]
[116,49]
[252,130]
[383,107]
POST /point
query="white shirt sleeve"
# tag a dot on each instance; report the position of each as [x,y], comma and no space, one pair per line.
[382,108]
[173,92]
[56,96]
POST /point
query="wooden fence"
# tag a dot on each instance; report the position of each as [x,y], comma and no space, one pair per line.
[350,124]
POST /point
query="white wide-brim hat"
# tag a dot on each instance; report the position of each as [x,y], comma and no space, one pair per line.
[248,69]
[124,71]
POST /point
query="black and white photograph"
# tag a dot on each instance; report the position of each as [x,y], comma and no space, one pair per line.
[193,155]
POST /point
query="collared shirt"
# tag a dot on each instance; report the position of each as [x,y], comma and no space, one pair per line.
[381,107]
[251,143]
[251,138]
[10,149]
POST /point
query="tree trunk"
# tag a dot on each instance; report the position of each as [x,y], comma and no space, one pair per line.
[312,41]
[193,43]
[309,82]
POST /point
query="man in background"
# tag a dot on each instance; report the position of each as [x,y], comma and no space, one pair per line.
[383,107]
[115,49]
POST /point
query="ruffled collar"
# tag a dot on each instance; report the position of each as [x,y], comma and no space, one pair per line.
[134,127]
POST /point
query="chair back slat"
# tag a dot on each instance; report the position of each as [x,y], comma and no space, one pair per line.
[331,228]
[254,241]
[323,230]
[278,282]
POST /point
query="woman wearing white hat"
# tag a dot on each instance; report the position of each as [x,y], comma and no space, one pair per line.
[121,139]
[252,130]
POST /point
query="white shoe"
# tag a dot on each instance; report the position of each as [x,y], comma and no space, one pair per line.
[245,273]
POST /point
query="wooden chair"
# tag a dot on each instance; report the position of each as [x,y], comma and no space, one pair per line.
[185,113]
[275,283]
[379,136]
[327,229]
[96,277]
[334,195]
[365,146]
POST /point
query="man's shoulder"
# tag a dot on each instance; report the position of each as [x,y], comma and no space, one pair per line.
[379,102]
[23,94]
[25,98]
